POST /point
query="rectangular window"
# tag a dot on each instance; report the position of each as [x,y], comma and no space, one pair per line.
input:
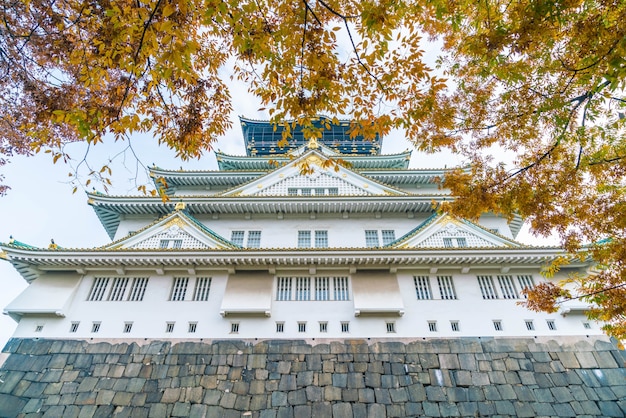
[447,242]
[98,288]
[422,287]
[446,287]
[169,327]
[345,327]
[530,325]
[192,327]
[333,191]
[171,243]
[507,287]
[301,326]
[323,327]
[304,239]
[586,325]
[179,288]
[254,239]
[371,238]
[321,239]
[341,288]
[236,237]
[497,325]
[201,292]
[454,326]
[118,288]
[454,242]
[280,327]
[234,327]
[283,290]
[389,236]
[38,328]
[319,191]
[306,191]
[303,288]
[95,327]
[486,287]
[551,324]
[292,191]
[128,327]
[321,288]
[525,282]
[391,327]
[74,326]
[432,326]
[138,289]
[461,242]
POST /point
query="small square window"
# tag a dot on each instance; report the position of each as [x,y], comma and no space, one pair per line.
[530,325]
[169,327]
[432,326]
[551,324]
[192,327]
[39,328]
[497,325]
[454,325]
[280,327]
[323,326]
[301,326]
[391,327]
[95,327]
[234,327]
[345,327]
[586,325]
[128,327]
[74,326]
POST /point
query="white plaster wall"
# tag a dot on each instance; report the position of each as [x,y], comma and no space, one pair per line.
[150,316]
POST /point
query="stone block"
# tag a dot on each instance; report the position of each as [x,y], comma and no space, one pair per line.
[242,403]
[181,409]
[372,380]
[349,395]
[285,412]
[279,399]
[304,379]
[297,397]
[586,359]
[287,382]
[376,411]
[228,400]
[314,393]
[564,410]
[321,410]
[122,398]
[332,393]
[171,395]
[342,410]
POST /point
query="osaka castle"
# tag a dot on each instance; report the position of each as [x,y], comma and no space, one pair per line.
[315,279]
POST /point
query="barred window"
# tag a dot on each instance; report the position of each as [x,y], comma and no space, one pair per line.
[345,326]
[38,328]
[234,327]
[454,326]
[128,327]
[371,238]
[321,239]
[486,287]
[422,287]
[507,287]
[389,236]
[170,243]
[74,326]
[98,289]
[391,327]
[341,288]
[497,325]
[118,288]
[169,327]
[292,191]
[333,191]
[321,288]
[432,326]
[454,242]
[530,325]
[301,326]
[280,327]
[283,290]
[551,324]
[179,288]
[236,237]
[95,327]
[201,292]
[303,288]
[525,282]
[306,191]
[192,327]
[323,327]
[138,289]
[446,287]
[254,239]
[304,239]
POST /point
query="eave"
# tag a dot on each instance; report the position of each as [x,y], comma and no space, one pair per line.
[30,263]
[111,209]
[204,178]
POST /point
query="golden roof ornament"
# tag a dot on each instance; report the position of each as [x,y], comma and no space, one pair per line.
[180,206]
[313,144]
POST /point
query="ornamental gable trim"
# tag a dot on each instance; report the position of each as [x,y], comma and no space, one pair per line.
[312,175]
[175,231]
[445,231]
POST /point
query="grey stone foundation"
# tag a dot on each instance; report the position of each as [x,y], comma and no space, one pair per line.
[279,379]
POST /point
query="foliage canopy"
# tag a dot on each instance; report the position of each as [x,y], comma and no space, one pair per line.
[541,79]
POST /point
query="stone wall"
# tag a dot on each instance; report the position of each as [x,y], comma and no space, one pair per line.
[451,377]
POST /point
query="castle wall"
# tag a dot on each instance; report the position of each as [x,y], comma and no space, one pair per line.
[524,377]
